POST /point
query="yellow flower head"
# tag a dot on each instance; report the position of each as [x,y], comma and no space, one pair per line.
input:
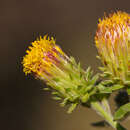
[42,56]
[113,43]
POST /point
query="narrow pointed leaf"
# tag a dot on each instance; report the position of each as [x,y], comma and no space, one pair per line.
[122,111]
[110,89]
[71,108]
[128,90]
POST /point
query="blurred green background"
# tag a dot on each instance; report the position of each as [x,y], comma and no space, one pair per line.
[24,105]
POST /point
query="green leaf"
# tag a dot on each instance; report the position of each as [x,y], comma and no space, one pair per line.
[79,66]
[56,79]
[55,93]
[106,73]
[73,60]
[71,108]
[85,98]
[119,127]
[122,111]
[98,57]
[88,72]
[46,89]
[68,90]
[102,68]
[128,90]
[71,77]
[116,87]
[94,79]
[127,82]
[110,89]
[106,90]
[103,89]
[56,98]
[107,82]
[64,102]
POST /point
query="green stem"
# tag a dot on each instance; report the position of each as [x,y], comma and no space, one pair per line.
[97,106]
[106,105]
[99,109]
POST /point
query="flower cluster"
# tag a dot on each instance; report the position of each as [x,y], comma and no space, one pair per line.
[69,83]
[113,44]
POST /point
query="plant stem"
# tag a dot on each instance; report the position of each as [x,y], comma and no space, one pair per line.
[99,108]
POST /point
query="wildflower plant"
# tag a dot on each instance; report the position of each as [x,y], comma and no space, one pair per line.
[73,85]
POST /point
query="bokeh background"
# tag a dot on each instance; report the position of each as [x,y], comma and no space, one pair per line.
[24,105]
